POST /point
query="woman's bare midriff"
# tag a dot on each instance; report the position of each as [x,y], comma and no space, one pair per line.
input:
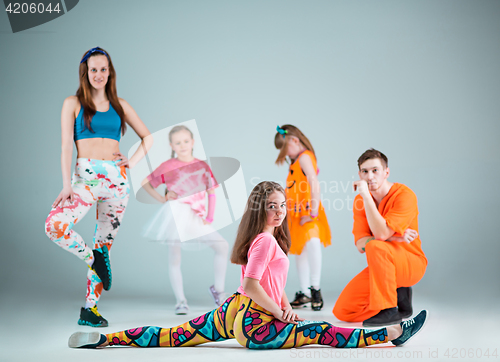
[97,148]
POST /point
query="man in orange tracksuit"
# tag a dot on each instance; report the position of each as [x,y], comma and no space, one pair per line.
[386,229]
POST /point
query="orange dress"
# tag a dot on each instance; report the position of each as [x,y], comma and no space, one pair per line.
[298,195]
[390,264]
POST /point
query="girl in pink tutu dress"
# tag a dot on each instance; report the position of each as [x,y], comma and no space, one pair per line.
[184,221]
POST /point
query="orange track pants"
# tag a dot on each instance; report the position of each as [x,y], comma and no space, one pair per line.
[390,266]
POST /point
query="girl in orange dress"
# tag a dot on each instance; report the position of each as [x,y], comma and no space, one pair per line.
[307,219]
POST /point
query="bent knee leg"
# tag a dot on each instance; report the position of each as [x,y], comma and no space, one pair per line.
[240,337]
[344,310]
[374,246]
[339,311]
[56,227]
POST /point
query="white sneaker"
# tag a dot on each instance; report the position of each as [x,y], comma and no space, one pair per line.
[219,297]
[182,308]
[86,340]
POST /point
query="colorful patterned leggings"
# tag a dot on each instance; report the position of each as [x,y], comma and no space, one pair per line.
[94,182]
[253,327]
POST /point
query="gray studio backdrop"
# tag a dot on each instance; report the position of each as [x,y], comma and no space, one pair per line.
[418,80]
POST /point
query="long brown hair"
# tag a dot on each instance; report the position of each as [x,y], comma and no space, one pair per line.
[255,219]
[281,141]
[84,93]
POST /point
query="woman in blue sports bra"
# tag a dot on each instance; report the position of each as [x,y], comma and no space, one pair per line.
[95,118]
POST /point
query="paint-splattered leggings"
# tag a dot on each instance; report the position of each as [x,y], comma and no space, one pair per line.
[253,327]
[94,182]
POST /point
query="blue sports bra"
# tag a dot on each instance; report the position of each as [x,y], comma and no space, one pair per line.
[104,124]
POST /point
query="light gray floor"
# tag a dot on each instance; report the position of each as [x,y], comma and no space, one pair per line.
[38,331]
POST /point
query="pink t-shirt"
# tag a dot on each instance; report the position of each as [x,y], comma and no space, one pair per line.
[267,263]
[189,180]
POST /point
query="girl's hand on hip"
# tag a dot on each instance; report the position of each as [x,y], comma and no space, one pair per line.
[171,195]
[122,158]
[66,196]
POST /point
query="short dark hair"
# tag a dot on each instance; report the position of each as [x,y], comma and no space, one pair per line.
[372,154]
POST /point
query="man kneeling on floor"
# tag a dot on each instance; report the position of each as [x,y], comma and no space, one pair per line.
[386,229]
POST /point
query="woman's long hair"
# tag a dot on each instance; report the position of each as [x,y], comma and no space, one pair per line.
[84,93]
[255,219]
[281,141]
